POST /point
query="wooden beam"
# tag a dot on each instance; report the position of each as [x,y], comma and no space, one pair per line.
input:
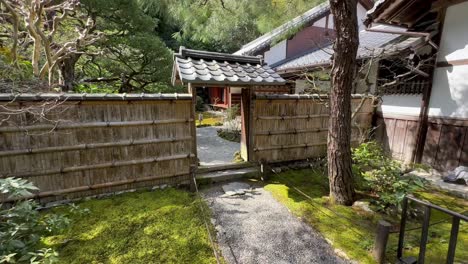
[423,116]
[442,4]
[193,128]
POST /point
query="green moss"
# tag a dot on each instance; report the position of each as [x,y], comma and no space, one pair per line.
[353,230]
[163,226]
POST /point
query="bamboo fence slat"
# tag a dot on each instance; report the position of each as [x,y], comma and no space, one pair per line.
[294,127]
[93,144]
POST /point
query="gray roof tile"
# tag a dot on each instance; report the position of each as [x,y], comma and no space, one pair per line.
[369,43]
[225,69]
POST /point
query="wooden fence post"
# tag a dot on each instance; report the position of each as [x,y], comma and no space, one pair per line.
[193,174]
[193,90]
[381,239]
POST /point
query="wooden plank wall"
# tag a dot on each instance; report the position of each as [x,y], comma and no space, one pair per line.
[99,145]
[398,135]
[293,127]
[446,145]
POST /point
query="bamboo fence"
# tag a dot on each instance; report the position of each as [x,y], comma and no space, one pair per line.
[295,127]
[75,145]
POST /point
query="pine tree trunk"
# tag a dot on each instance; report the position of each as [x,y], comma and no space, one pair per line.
[339,135]
[67,72]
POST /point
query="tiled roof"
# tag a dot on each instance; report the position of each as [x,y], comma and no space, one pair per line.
[370,43]
[307,18]
[371,13]
[265,40]
[202,67]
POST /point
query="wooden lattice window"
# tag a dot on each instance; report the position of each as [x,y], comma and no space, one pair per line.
[396,76]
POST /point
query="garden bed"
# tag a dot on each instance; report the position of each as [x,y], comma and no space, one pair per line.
[163,226]
[352,230]
[209,119]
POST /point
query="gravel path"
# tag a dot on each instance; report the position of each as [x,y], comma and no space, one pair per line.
[255,228]
[213,150]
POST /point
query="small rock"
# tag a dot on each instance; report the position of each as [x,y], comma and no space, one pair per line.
[363,205]
[341,253]
[276,170]
[235,188]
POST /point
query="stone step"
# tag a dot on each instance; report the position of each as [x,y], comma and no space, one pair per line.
[233,166]
[225,175]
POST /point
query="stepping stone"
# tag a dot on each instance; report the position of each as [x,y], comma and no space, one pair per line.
[235,188]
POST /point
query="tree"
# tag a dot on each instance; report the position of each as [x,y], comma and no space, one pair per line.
[56,29]
[226,25]
[342,79]
[133,58]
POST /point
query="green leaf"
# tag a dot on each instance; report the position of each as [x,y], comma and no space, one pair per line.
[17,243]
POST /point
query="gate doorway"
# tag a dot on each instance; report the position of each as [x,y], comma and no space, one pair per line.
[219,130]
[205,70]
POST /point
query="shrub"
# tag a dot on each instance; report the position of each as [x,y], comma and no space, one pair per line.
[232,112]
[21,71]
[22,226]
[200,106]
[383,176]
[230,135]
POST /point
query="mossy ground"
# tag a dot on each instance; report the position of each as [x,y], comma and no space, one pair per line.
[209,119]
[353,230]
[164,226]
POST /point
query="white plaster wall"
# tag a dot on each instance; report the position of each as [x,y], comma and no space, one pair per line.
[454,42]
[276,53]
[408,105]
[449,96]
[236,90]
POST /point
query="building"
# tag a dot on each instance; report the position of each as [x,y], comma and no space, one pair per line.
[311,30]
[432,126]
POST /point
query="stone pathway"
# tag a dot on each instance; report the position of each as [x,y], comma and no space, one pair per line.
[252,227]
[435,178]
[213,150]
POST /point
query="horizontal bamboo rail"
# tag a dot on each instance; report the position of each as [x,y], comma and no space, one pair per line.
[92,97]
[303,96]
[298,131]
[293,146]
[92,125]
[289,132]
[99,166]
[290,117]
[100,186]
[300,116]
[91,146]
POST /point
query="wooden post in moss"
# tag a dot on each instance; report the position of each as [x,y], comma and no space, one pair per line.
[381,239]
[193,174]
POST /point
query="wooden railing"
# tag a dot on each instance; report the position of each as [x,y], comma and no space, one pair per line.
[456,217]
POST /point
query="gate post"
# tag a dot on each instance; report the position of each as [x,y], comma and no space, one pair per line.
[193,127]
[381,239]
[247,123]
